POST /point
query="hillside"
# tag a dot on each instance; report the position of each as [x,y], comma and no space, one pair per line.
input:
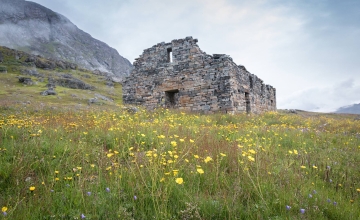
[35,29]
[25,79]
[351,109]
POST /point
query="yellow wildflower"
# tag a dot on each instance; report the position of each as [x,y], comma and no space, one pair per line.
[199,170]
[223,155]
[32,188]
[252,151]
[191,141]
[196,156]
[173,143]
[207,159]
[179,180]
[4,209]
[110,155]
[303,167]
[250,158]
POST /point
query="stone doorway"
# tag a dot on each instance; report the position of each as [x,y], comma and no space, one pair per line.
[247,102]
[171,98]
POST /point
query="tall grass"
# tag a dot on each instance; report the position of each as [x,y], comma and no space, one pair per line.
[173,165]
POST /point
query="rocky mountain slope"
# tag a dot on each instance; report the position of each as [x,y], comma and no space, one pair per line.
[35,29]
[25,78]
[351,109]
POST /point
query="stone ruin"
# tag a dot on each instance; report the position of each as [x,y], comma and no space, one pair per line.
[179,75]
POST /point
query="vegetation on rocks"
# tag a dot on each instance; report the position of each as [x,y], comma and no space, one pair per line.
[112,164]
[24,83]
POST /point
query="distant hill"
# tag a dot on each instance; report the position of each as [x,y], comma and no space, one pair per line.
[35,29]
[351,109]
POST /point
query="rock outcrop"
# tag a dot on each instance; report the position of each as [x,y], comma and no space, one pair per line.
[38,30]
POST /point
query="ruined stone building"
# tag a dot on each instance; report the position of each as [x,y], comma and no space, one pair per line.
[179,75]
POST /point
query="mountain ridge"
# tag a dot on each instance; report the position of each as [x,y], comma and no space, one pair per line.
[35,29]
[350,109]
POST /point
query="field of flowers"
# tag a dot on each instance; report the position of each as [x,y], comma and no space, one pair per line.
[171,165]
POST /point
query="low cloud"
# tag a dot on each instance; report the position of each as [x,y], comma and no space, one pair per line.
[324,99]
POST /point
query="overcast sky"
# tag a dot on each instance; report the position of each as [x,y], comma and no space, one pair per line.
[309,50]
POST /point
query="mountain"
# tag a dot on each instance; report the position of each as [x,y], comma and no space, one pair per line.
[351,109]
[35,29]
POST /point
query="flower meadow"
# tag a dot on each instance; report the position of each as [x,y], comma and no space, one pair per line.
[112,164]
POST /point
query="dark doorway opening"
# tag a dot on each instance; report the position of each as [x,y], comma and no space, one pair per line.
[171,98]
[247,102]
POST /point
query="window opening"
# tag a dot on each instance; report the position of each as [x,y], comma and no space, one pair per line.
[171,97]
[169,55]
[251,82]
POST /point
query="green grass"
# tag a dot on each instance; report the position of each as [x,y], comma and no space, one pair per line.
[109,164]
[13,92]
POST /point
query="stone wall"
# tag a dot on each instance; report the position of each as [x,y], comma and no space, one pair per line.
[180,75]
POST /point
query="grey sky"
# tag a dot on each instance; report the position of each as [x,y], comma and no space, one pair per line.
[309,50]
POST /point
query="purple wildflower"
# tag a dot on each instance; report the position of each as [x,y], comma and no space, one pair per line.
[310,196]
[314,191]
[328,200]
[107,189]
[51,190]
[83,216]
[4,213]
[335,203]
[288,207]
[88,193]
[135,197]
[302,211]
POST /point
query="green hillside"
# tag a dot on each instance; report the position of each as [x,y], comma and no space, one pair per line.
[74,86]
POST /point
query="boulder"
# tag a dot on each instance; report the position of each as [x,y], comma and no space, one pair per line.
[103,97]
[49,91]
[93,100]
[44,64]
[31,72]
[30,59]
[26,80]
